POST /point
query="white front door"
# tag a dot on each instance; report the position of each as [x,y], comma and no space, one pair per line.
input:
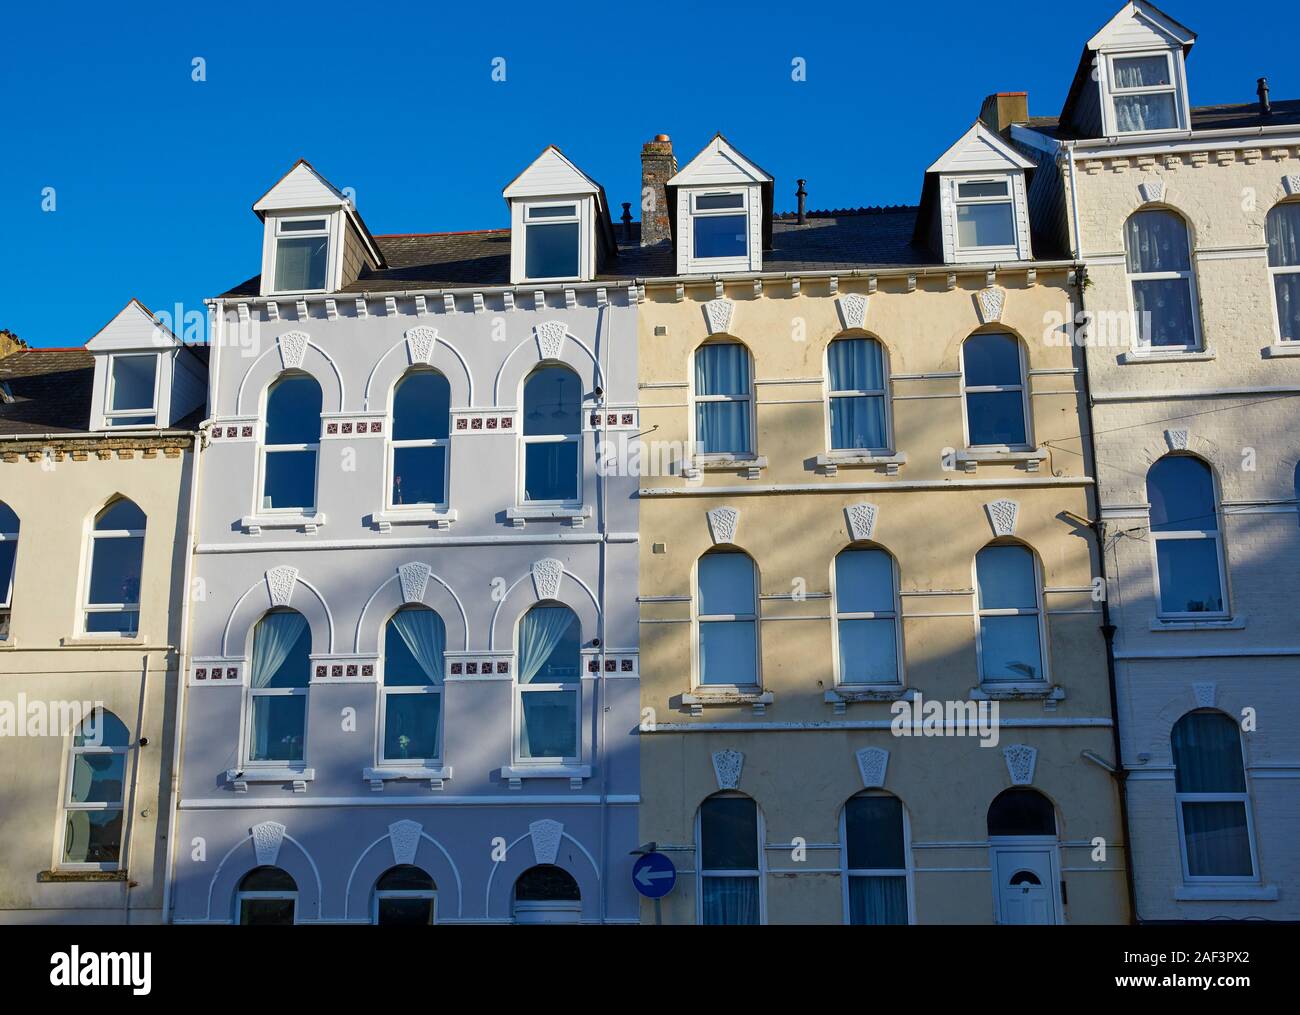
[1025,884]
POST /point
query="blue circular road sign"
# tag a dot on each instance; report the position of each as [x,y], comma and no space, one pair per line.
[654,875]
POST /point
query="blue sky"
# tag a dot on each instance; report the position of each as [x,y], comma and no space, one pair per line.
[154,173]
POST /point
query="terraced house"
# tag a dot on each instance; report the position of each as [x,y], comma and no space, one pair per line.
[1188,220]
[880,499]
[413,681]
[97,468]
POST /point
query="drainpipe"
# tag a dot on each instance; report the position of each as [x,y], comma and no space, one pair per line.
[128,824]
[602,523]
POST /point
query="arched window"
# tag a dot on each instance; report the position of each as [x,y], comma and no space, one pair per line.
[1159,259]
[1009,598]
[1214,820]
[722,400]
[8,556]
[993,386]
[290,444]
[1021,812]
[1185,530]
[280,674]
[547,894]
[116,557]
[726,619]
[549,684]
[414,642]
[866,616]
[552,436]
[420,429]
[1283,230]
[875,859]
[856,369]
[267,897]
[96,787]
[729,860]
[404,897]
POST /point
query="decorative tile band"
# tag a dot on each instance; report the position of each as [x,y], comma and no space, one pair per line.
[212,671]
[477,422]
[352,427]
[343,669]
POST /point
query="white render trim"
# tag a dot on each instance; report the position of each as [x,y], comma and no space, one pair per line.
[814,726]
[384,800]
[841,488]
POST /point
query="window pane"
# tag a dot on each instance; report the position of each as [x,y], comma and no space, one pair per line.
[1189,576]
[552,402]
[279,723]
[722,368]
[729,834]
[115,570]
[1207,754]
[266,912]
[1287,290]
[985,188]
[422,407]
[991,360]
[405,912]
[709,202]
[1217,838]
[550,646]
[290,479]
[8,551]
[282,651]
[120,515]
[1021,812]
[1180,489]
[551,251]
[726,584]
[1009,649]
[856,364]
[411,725]
[875,901]
[1006,578]
[864,581]
[1283,229]
[1141,71]
[419,475]
[404,878]
[728,652]
[300,263]
[268,879]
[302,225]
[1164,309]
[1156,240]
[720,235]
[293,411]
[549,724]
[126,421]
[873,826]
[411,630]
[97,778]
[124,622]
[553,211]
[730,902]
[996,417]
[102,729]
[551,471]
[868,652]
[92,837]
[133,382]
[985,225]
[858,423]
[1146,112]
[722,427]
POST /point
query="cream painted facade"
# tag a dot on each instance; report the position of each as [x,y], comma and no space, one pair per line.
[798,748]
[56,485]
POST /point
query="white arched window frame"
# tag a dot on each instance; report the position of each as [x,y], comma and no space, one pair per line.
[725,612]
[722,401]
[553,448]
[867,609]
[1007,390]
[98,772]
[279,670]
[1282,231]
[891,872]
[1162,281]
[1175,537]
[9,527]
[409,697]
[1009,615]
[300,450]
[547,727]
[711,898]
[426,451]
[1216,829]
[114,569]
[856,394]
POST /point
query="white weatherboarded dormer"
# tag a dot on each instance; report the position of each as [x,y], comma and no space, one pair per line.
[973,206]
[1132,78]
[314,240]
[722,214]
[559,222]
[145,378]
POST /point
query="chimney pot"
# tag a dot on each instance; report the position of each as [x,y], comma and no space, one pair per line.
[627,221]
[1265,107]
[658,166]
[802,195]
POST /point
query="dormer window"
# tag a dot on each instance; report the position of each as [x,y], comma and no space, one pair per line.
[720,224]
[132,391]
[985,214]
[722,211]
[553,241]
[1144,94]
[302,248]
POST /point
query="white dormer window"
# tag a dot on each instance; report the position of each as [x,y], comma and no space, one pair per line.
[553,241]
[559,224]
[974,207]
[721,203]
[720,224]
[302,254]
[1144,92]
[132,391]
[985,214]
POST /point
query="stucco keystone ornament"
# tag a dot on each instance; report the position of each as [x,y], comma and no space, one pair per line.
[872,763]
[726,767]
[991,302]
[405,839]
[722,524]
[1002,516]
[1152,190]
[266,842]
[419,343]
[1291,184]
[415,579]
[853,310]
[546,578]
[1205,694]
[546,835]
[1020,759]
[550,336]
[862,520]
[718,314]
[293,348]
[1176,439]
[279,584]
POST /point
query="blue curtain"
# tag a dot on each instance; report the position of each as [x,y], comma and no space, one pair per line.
[730,901]
[1218,842]
[877,900]
[274,639]
[539,633]
[1207,754]
[722,369]
[425,636]
[856,364]
[1156,241]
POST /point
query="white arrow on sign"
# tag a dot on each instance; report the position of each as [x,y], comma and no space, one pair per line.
[645,875]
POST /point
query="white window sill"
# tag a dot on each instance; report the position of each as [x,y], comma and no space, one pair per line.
[514,775]
[385,520]
[1191,624]
[750,465]
[296,775]
[1166,356]
[254,524]
[436,777]
[1029,690]
[835,460]
[843,695]
[727,697]
[100,641]
[970,459]
[518,516]
[1226,893]
[1281,349]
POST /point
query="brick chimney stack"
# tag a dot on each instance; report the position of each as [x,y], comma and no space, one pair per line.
[658,166]
[1000,110]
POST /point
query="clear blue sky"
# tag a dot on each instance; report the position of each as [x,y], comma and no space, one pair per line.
[154,174]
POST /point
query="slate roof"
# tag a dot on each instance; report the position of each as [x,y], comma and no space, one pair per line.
[1223,117]
[51,391]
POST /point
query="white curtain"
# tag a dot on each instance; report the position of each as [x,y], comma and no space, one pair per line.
[276,635]
[539,633]
[877,900]
[730,901]
[1156,241]
[425,636]
[1283,229]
